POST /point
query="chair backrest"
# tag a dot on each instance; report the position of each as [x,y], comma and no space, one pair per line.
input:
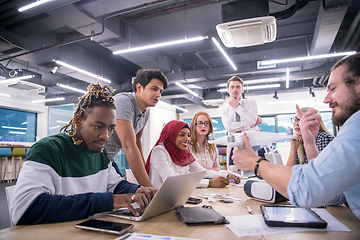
[5,152]
[18,152]
[222,151]
[9,196]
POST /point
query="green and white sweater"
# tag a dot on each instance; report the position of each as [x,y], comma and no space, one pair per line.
[61,181]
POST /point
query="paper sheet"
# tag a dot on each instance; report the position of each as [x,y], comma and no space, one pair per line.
[250,225]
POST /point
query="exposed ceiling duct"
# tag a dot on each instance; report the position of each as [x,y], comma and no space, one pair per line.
[85,33]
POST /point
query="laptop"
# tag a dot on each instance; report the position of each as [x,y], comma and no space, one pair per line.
[174,191]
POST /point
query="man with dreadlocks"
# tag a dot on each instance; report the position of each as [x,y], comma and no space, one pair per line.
[68,176]
[132,114]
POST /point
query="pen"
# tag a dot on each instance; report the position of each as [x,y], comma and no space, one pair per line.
[232,180]
[249,209]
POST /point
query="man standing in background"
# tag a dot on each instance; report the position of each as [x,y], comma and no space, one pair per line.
[132,114]
[239,114]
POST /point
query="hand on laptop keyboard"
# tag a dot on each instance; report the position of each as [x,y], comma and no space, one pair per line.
[142,196]
[127,212]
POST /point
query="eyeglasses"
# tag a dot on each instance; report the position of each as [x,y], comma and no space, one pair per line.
[294,119]
[199,124]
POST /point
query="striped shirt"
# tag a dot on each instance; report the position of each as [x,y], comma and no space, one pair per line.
[205,156]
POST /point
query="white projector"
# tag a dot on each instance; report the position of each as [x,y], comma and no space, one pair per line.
[247,32]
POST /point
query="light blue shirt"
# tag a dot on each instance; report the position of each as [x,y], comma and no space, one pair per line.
[334,176]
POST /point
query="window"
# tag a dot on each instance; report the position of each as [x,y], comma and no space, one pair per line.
[268,124]
[59,116]
[218,127]
[285,122]
[17,126]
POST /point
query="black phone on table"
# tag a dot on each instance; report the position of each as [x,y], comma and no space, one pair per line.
[193,200]
[105,226]
[291,216]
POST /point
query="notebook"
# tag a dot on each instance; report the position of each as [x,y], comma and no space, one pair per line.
[174,191]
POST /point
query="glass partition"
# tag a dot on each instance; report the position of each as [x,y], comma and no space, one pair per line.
[59,116]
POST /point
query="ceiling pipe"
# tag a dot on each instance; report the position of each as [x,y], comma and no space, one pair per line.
[353,40]
[350,32]
[109,42]
[93,34]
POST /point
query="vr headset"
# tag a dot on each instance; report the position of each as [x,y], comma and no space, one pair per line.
[262,191]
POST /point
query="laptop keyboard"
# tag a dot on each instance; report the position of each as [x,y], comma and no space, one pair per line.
[127,212]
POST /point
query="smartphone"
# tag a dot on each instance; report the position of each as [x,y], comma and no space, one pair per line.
[193,200]
[105,226]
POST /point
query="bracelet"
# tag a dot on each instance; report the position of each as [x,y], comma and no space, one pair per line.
[257,167]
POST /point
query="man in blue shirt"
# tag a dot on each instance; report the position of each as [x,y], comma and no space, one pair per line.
[332,178]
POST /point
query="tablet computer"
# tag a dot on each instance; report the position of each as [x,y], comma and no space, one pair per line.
[105,226]
[291,216]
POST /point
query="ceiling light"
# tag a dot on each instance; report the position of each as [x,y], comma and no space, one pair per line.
[16,132]
[55,127]
[31,5]
[5,95]
[287,77]
[307,58]
[213,102]
[255,87]
[263,86]
[82,71]
[54,69]
[180,108]
[224,53]
[71,88]
[16,128]
[187,89]
[23,123]
[214,121]
[49,100]
[59,121]
[11,80]
[186,40]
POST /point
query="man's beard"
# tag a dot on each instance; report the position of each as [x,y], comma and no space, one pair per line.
[348,110]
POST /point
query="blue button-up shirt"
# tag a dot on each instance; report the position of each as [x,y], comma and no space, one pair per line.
[333,177]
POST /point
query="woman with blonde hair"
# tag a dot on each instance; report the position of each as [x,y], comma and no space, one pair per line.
[300,154]
[204,153]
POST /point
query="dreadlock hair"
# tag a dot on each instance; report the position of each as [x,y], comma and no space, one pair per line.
[97,95]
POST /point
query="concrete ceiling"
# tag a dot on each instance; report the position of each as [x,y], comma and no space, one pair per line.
[84,34]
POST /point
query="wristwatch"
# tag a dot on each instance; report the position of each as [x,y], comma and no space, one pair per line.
[257,167]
